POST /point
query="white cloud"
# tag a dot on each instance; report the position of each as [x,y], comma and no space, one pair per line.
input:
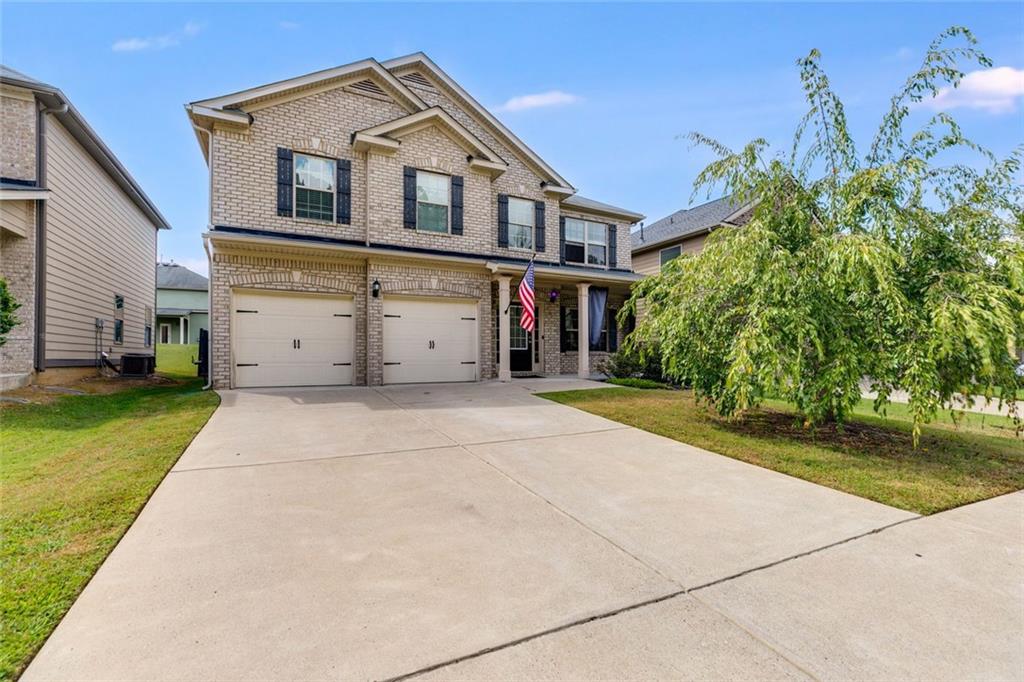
[904,53]
[995,91]
[288,25]
[160,42]
[551,98]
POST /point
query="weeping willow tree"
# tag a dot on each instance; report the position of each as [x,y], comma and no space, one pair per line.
[894,265]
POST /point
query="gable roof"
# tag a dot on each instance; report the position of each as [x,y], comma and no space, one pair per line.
[436,117]
[688,222]
[174,276]
[72,120]
[419,59]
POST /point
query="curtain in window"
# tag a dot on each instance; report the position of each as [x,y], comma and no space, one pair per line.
[598,299]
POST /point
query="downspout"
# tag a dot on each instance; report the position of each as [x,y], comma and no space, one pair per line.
[209,262]
[39,350]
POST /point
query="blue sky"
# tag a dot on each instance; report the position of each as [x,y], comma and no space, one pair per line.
[601,91]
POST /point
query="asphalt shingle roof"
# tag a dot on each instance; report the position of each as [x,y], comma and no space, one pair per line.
[174,276]
[685,222]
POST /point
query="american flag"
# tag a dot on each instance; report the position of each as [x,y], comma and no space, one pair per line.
[527,319]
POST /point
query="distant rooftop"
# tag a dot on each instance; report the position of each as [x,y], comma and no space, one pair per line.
[690,221]
[174,276]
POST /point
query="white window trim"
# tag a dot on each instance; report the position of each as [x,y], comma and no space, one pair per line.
[448,206]
[586,243]
[296,188]
[532,226]
[165,326]
[661,260]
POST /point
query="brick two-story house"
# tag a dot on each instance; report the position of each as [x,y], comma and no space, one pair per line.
[369,224]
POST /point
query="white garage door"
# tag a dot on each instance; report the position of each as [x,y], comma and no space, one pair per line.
[429,340]
[285,339]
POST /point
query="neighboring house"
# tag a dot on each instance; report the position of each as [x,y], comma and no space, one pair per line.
[369,224]
[77,238]
[682,232]
[181,304]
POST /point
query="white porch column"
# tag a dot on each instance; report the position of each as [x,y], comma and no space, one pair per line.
[504,329]
[181,330]
[583,325]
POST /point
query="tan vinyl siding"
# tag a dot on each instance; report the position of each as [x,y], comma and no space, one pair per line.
[98,244]
[649,262]
[17,217]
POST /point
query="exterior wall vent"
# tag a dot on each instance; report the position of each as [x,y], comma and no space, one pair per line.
[417,78]
[368,86]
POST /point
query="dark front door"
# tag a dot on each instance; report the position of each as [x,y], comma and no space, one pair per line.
[520,342]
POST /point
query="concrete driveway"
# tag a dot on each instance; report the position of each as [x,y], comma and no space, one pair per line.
[477,531]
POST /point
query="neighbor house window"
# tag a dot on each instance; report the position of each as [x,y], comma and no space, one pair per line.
[165,333]
[118,318]
[432,201]
[586,242]
[520,223]
[314,187]
[670,253]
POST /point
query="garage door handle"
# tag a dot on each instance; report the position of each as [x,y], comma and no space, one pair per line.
[343,364]
[247,364]
[392,363]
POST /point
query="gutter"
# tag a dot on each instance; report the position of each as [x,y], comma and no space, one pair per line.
[209,263]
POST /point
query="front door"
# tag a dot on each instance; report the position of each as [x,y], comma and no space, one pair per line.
[521,342]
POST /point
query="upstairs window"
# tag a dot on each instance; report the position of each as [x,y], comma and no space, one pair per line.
[433,197]
[314,187]
[586,242]
[669,254]
[520,223]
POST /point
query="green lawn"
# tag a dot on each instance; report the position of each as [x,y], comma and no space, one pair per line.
[74,474]
[175,359]
[872,457]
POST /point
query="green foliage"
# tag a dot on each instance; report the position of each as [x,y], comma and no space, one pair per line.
[633,363]
[8,320]
[905,266]
[637,382]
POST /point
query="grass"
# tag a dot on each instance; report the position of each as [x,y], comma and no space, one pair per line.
[75,473]
[872,457]
[175,359]
[634,382]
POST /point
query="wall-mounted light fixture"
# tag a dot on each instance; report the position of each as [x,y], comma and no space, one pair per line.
[553,295]
[375,288]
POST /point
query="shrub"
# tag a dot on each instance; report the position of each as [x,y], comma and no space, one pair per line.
[8,320]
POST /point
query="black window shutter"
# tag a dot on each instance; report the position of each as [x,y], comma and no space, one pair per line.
[503,220]
[562,342]
[538,225]
[409,206]
[285,175]
[456,204]
[561,239]
[344,196]
[613,330]
[613,245]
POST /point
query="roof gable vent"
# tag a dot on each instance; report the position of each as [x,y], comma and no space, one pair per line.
[367,86]
[417,78]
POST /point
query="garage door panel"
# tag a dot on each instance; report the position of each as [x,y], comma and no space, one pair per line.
[430,340]
[292,339]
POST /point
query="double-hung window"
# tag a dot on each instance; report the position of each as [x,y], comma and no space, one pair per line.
[314,187]
[571,331]
[433,198]
[586,242]
[118,318]
[520,223]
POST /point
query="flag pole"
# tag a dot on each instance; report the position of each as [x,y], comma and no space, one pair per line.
[509,307]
